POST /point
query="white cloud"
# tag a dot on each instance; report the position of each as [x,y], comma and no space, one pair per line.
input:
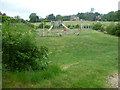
[63,7]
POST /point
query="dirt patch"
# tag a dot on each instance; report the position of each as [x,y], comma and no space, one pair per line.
[113,80]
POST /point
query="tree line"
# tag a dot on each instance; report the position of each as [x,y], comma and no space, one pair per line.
[111,16]
[33,17]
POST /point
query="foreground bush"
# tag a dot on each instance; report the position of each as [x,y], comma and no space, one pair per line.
[20,52]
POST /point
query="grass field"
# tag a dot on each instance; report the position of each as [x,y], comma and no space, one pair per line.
[83,61]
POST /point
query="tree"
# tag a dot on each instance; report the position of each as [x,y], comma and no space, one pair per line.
[51,17]
[33,17]
[111,16]
[4,14]
[59,17]
[17,17]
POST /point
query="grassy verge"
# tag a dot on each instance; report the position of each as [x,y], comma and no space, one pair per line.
[23,79]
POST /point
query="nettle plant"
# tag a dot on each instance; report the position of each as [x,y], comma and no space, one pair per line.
[20,52]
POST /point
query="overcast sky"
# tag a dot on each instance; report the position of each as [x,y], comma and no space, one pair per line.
[42,8]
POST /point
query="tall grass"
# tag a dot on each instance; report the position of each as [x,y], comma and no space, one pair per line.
[30,77]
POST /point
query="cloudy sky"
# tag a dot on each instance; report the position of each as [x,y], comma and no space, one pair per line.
[42,8]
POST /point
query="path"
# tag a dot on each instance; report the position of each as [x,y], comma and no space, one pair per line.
[113,80]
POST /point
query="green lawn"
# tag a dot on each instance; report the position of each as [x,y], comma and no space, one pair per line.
[85,62]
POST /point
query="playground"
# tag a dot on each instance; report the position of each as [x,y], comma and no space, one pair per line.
[58,28]
[86,61]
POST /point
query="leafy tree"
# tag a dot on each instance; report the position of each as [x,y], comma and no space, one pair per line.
[88,16]
[17,17]
[51,17]
[111,16]
[59,17]
[4,14]
[66,18]
[33,17]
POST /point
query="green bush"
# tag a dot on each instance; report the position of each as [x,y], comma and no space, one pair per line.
[30,25]
[77,26]
[113,29]
[72,26]
[47,26]
[118,29]
[40,25]
[97,26]
[68,26]
[20,52]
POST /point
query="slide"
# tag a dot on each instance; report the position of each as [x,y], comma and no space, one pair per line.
[65,26]
[50,28]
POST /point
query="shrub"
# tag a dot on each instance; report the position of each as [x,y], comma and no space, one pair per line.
[118,30]
[47,26]
[97,26]
[68,26]
[113,29]
[40,25]
[20,52]
[77,26]
[30,25]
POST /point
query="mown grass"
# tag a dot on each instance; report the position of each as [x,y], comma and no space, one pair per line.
[95,53]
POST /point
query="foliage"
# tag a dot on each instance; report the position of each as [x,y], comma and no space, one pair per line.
[66,18]
[68,26]
[97,26]
[51,17]
[111,16]
[40,25]
[47,26]
[30,25]
[88,16]
[12,20]
[59,17]
[33,17]
[118,29]
[113,29]
[73,26]
[77,26]
[20,52]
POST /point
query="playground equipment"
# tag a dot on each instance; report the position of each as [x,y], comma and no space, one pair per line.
[85,25]
[57,28]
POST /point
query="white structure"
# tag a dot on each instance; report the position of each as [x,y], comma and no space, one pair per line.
[92,10]
[84,25]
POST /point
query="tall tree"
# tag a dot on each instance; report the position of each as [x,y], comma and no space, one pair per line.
[33,17]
